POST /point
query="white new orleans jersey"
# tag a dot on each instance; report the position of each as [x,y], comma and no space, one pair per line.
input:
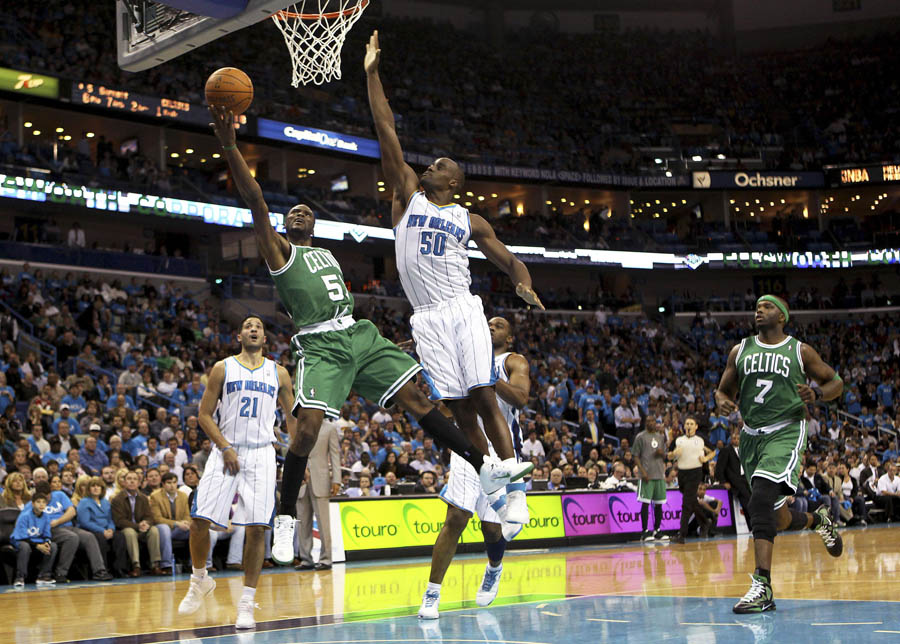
[247,406]
[432,258]
[510,413]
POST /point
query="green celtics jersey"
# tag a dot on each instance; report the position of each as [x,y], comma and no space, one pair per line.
[311,286]
[768,375]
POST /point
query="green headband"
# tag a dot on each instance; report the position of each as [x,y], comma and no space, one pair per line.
[774,300]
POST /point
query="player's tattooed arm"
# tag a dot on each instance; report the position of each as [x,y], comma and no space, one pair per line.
[501,257]
[728,385]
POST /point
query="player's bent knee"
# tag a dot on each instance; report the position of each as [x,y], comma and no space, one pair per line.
[762,512]
[492,532]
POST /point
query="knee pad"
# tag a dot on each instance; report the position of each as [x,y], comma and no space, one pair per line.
[762,508]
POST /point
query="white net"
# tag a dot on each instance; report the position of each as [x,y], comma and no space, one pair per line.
[314,31]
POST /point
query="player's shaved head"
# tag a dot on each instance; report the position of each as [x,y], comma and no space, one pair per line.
[443,174]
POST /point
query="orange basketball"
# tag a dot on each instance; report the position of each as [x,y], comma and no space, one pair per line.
[230,88]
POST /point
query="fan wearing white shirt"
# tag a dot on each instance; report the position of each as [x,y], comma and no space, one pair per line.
[889,493]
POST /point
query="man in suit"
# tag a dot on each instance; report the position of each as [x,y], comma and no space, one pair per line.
[323,480]
[868,478]
[731,475]
[590,432]
[171,516]
[131,514]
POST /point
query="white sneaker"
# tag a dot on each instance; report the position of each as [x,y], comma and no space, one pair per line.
[495,474]
[283,540]
[490,584]
[430,603]
[197,592]
[516,507]
[245,617]
[510,530]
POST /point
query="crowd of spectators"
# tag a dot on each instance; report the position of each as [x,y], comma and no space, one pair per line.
[107,440]
[520,100]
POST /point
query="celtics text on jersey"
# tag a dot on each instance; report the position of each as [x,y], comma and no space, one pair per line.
[311,286]
[768,375]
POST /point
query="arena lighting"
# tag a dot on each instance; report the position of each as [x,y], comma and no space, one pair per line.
[696,157]
[216,155]
[37,132]
[668,173]
[311,171]
[189,151]
[67,137]
[470,194]
[60,130]
[27,123]
[657,160]
[587,202]
[720,157]
[493,195]
[203,160]
[114,201]
[89,135]
[174,155]
[480,198]
[381,183]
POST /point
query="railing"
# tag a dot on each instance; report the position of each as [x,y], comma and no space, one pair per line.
[855,422]
[112,260]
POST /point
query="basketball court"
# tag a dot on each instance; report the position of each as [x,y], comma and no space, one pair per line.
[624,593]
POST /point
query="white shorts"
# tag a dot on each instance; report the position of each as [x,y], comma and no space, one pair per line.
[454,343]
[254,484]
[463,490]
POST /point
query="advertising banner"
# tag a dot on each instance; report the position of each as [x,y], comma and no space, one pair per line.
[620,512]
[752,180]
[14,80]
[314,137]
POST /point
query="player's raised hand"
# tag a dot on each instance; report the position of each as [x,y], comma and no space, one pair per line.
[223,125]
[373,54]
[527,293]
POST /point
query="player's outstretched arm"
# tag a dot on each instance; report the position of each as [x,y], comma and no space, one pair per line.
[826,377]
[207,408]
[516,391]
[274,248]
[499,255]
[286,400]
[399,175]
[728,385]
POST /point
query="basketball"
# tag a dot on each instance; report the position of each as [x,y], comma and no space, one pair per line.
[230,88]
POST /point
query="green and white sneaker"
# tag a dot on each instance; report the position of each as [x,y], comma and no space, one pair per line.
[828,531]
[758,599]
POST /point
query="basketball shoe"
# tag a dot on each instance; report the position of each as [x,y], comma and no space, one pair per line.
[283,540]
[828,531]
[758,599]
[490,585]
[495,474]
[197,592]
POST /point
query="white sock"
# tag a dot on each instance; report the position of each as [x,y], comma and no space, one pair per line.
[248,593]
[199,573]
[433,588]
[494,568]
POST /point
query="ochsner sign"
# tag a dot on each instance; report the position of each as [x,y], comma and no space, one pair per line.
[747,180]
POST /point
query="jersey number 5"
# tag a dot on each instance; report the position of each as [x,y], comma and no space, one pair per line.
[433,243]
[337,292]
[766,385]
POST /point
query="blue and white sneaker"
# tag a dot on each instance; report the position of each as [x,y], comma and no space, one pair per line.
[430,603]
[490,585]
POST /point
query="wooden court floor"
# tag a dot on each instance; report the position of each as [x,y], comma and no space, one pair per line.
[545,596]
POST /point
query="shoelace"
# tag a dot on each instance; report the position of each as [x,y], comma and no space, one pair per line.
[283,536]
[490,577]
[246,605]
[431,598]
[826,531]
[757,590]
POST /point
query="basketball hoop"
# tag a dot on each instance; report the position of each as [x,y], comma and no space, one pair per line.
[315,39]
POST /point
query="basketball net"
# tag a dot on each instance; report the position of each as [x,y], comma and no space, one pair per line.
[315,38]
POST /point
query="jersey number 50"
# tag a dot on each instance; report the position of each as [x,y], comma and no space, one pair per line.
[433,243]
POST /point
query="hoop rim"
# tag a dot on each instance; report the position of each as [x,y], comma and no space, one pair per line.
[287,15]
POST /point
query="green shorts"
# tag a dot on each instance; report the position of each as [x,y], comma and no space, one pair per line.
[331,363]
[777,456]
[652,491]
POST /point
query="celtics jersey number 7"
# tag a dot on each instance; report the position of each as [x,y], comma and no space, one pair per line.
[768,375]
[311,286]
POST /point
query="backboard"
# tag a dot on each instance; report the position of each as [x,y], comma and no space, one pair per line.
[149,33]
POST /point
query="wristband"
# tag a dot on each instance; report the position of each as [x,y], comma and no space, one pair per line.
[233,146]
[226,448]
